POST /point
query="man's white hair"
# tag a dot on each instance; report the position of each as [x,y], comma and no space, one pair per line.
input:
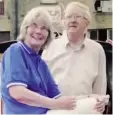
[71,8]
[36,15]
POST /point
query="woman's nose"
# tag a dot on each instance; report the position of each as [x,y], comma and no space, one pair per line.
[38,30]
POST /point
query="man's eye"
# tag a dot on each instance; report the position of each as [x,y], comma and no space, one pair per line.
[43,27]
[69,16]
[78,16]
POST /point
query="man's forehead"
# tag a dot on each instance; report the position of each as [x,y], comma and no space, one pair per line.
[74,10]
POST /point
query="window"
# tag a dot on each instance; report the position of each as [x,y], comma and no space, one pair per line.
[94,34]
[100,34]
[1,7]
[110,34]
[4,36]
[103,5]
[97,5]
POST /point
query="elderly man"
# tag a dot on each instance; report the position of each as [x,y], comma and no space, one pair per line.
[77,63]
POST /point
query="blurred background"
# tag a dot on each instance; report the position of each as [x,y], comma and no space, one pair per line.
[12,13]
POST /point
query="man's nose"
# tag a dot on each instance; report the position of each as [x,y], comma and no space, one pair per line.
[73,19]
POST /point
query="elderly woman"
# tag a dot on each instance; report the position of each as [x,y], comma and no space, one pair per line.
[27,85]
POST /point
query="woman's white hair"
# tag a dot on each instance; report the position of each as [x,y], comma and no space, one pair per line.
[71,8]
[36,15]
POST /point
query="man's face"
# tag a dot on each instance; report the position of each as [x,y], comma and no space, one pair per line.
[36,35]
[75,22]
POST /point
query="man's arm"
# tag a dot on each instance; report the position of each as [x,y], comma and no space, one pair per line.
[100,84]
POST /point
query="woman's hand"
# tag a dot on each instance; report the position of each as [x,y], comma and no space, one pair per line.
[65,103]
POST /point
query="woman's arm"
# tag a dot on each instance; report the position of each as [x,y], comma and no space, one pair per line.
[25,96]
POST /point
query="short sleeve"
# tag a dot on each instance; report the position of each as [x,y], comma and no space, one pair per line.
[14,71]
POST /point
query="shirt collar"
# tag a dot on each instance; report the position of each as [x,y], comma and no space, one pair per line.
[27,48]
[80,45]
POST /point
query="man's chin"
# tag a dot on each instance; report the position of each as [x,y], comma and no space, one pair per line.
[71,31]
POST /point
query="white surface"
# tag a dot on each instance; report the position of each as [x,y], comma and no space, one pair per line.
[48,1]
[106,6]
[83,106]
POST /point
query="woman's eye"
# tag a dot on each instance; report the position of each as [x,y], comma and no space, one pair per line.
[44,28]
[34,25]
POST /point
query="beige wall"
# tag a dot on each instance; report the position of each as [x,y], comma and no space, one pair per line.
[101,20]
[4,22]
[98,20]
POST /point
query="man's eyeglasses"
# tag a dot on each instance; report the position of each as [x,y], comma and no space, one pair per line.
[75,17]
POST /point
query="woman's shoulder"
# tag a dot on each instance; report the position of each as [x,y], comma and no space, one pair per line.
[15,46]
[13,49]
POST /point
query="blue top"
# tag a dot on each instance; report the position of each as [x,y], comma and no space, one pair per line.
[21,65]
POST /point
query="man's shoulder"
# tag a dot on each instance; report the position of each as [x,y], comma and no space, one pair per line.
[56,43]
[92,44]
[54,47]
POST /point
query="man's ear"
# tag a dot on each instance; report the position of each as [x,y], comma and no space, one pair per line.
[87,23]
[86,29]
[87,26]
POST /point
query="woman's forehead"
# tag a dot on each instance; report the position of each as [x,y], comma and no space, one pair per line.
[41,22]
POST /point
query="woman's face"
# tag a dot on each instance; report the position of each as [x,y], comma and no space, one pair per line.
[36,35]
